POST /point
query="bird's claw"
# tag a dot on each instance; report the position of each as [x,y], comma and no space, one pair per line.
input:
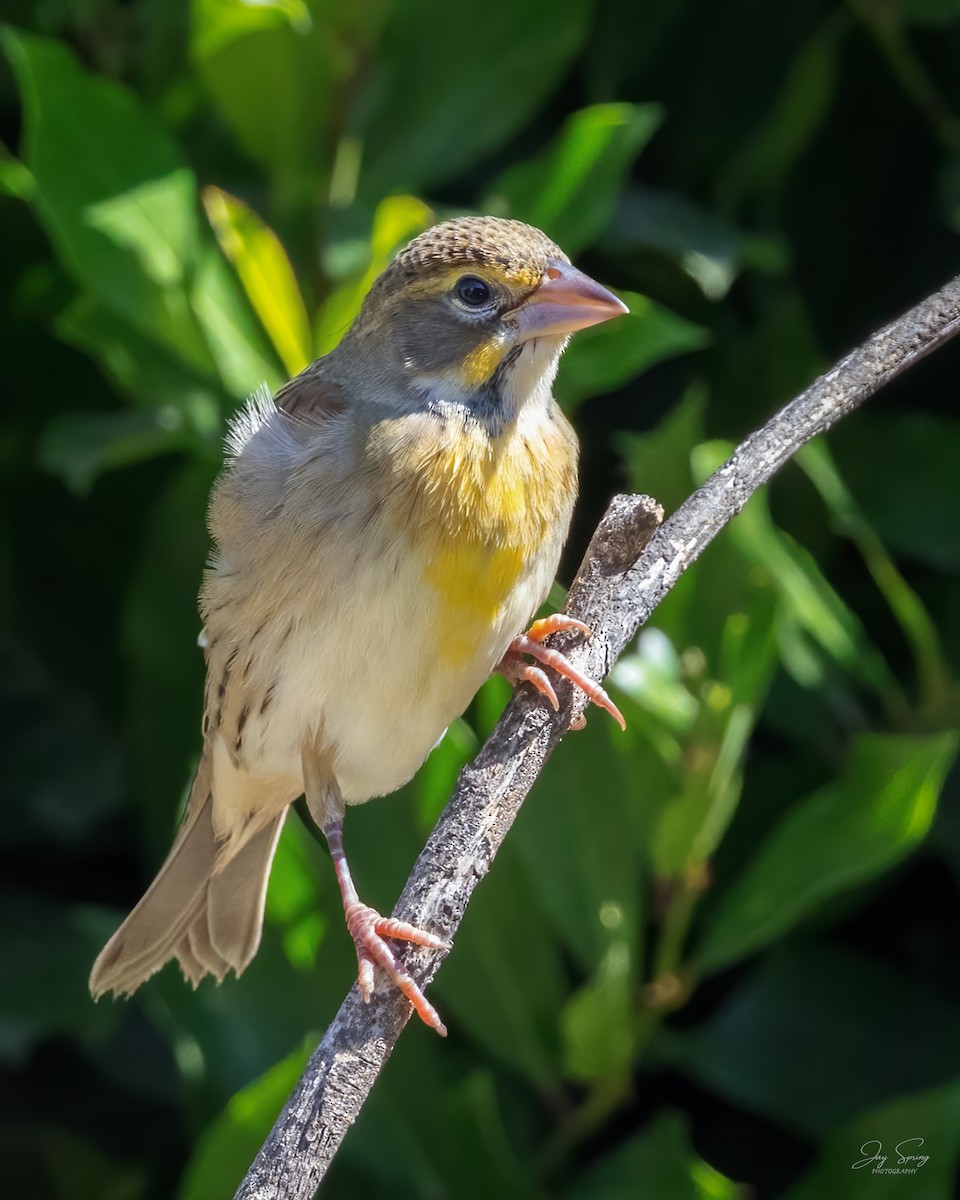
[368,930]
[513,666]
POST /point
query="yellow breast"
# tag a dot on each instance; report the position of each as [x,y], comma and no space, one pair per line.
[476,559]
[488,513]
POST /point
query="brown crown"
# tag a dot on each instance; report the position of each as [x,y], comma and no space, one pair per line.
[518,250]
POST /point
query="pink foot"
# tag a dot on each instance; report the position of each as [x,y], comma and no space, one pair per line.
[513,666]
[368,930]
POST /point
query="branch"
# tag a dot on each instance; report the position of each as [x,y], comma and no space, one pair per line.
[630,565]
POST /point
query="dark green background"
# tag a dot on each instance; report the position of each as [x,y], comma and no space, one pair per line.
[718,953]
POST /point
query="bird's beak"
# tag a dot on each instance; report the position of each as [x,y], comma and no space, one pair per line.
[566,301]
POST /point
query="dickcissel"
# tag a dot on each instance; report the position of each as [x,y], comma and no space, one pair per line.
[384,528]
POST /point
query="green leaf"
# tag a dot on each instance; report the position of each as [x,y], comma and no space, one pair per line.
[266,275]
[873,816]
[917,624]
[15,179]
[597,1021]
[924,1125]
[435,780]
[217,23]
[748,646]
[916,513]
[158,631]
[44,1159]
[62,798]
[80,447]
[48,951]
[773,356]
[295,899]
[583,859]
[504,983]
[121,208]
[761,166]
[570,190]
[229,1144]
[936,13]
[112,192]
[431,1128]
[659,1162]
[272,71]
[397,219]
[816,1033]
[475,1151]
[608,356]
[147,374]
[414,140]
[707,247]
[650,674]
[689,824]
[690,827]
[808,602]
[658,462]
[243,357]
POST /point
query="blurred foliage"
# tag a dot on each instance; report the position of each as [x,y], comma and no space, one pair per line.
[717,955]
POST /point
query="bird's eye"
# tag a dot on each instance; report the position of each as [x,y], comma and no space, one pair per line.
[473,291]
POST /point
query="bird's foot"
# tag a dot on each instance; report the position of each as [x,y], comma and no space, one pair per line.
[517,670]
[368,930]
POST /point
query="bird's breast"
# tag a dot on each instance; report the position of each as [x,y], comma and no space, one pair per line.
[376,617]
[489,515]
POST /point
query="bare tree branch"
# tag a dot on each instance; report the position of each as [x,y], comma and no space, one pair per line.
[629,567]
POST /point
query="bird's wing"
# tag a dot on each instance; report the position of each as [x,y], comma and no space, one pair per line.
[311,397]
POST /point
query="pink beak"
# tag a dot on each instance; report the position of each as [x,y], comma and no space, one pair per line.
[566,301]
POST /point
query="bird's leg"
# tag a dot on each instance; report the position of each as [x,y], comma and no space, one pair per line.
[513,666]
[364,924]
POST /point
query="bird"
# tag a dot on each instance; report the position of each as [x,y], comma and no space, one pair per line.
[383,529]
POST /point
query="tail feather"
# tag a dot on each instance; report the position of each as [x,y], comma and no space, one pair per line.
[200,909]
[192,969]
[195,951]
[236,896]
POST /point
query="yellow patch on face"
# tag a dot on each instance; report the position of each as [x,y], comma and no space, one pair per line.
[481,362]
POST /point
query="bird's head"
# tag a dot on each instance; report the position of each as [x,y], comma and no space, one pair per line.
[476,312]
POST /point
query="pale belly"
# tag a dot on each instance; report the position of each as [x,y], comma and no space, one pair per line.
[382,665]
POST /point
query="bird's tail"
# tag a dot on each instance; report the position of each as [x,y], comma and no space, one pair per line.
[203,909]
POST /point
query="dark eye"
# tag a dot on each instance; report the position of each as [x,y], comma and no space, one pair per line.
[473,291]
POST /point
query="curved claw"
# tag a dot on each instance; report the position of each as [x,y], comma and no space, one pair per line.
[518,671]
[368,930]
[557,623]
[531,642]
